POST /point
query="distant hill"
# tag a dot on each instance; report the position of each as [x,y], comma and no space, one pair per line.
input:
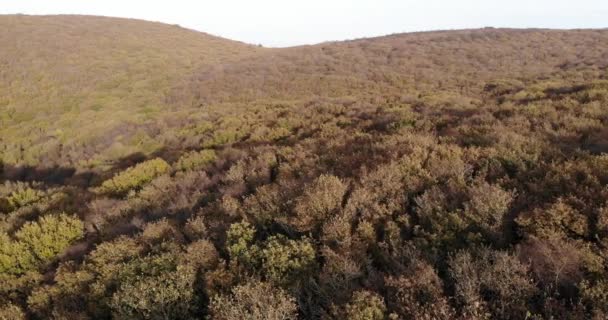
[83,82]
[81,90]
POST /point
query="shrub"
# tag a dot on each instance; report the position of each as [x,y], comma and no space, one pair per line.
[441,220]
[595,296]
[203,254]
[287,261]
[558,220]
[195,228]
[195,160]
[381,194]
[487,207]
[558,263]
[117,251]
[320,200]
[493,279]
[126,275]
[267,204]
[160,231]
[417,294]
[170,295]
[23,196]
[15,258]
[240,245]
[66,298]
[366,305]
[135,177]
[254,301]
[37,243]
[10,311]
[50,235]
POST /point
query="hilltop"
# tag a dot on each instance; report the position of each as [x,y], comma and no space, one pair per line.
[154,172]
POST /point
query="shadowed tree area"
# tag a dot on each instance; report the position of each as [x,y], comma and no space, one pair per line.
[153,172]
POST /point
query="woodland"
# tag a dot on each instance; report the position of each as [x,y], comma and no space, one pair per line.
[148,171]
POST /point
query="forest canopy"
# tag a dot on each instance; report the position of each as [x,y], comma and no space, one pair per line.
[153,172]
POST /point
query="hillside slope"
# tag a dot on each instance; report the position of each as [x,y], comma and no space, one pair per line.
[453,61]
[152,172]
[78,82]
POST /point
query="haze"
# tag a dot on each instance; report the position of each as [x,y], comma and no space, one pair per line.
[289,23]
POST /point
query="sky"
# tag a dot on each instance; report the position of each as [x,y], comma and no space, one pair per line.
[281,23]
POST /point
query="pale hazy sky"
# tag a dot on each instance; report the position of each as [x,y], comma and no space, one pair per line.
[286,23]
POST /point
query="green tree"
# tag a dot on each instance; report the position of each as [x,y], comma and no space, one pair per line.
[50,235]
[134,177]
[287,261]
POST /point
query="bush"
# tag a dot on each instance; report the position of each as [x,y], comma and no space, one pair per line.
[493,280]
[418,294]
[161,231]
[267,204]
[595,297]
[240,245]
[23,196]
[287,261]
[320,200]
[134,178]
[195,160]
[170,295]
[50,235]
[203,254]
[11,312]
[37,243]
[15,258]
[557,220]
[366,305]
[254,301]
[487,207]
[195,228]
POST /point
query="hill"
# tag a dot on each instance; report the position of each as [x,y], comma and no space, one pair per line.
[86,85]
[153,172]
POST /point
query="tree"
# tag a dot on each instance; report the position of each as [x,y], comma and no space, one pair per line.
[50,235]
[366,305]
[320,200]
[134,177]
[287,261]
[169,295]
[38,242]
[254,300]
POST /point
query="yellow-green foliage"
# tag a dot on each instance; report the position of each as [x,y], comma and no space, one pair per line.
[24,196]
[366,305]
[37,243]
[134,177]
[14,257]
[195,160]
[50,235]
[286,261]
[240,245]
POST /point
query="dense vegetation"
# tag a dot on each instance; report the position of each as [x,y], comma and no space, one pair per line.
[152,172]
